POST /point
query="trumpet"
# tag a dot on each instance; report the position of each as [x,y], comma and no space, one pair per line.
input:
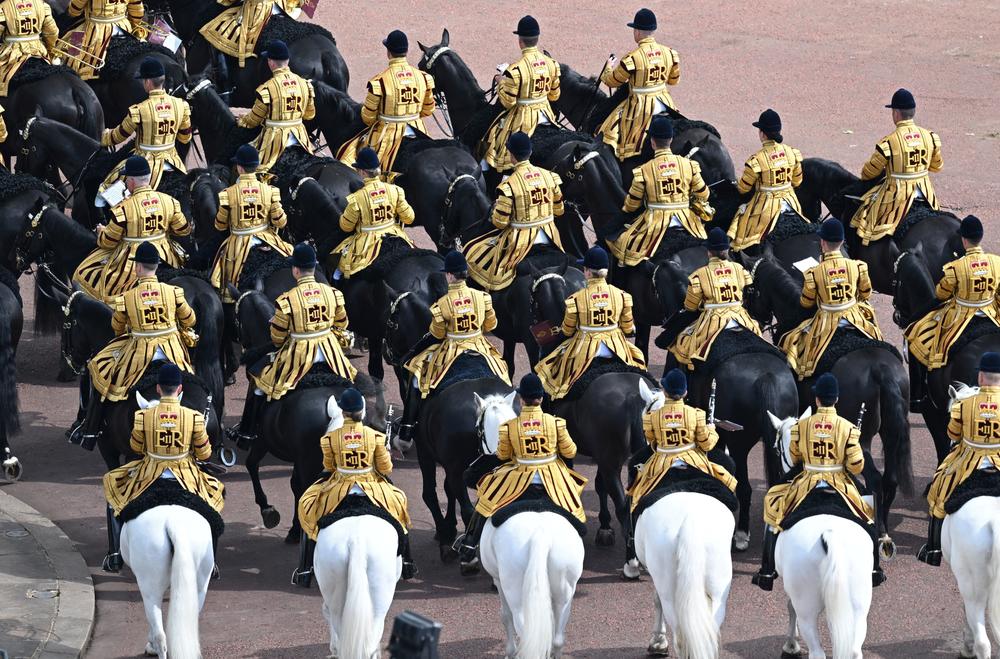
[150,28]
[70,51]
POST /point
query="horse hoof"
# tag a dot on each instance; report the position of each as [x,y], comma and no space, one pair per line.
[605,538]
[785,654]
[150,651]
[448,555]
[630,571]
[230,379]
[271,517]
[741,541]
[658,650]
[12,469]
[470,568]
[293,537]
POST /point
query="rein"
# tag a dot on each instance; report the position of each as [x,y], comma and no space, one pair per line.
[66,340]
[440,101]
[392,325]
[772,326]
[445,239]
[34,229]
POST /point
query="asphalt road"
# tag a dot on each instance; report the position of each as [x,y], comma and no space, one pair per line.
[828,69]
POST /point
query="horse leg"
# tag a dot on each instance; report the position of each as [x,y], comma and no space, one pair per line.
[642,331]
[605,534]
[112,458]
[975,595]
[531,347]
[809,626]
[791,648]
[613,486]
[452,494]
[562,602]
[268,513]
[659,644]
[428,492]
[507,617]
[375,367]
[741,539]
[149,557]
[294,535]
[509,346]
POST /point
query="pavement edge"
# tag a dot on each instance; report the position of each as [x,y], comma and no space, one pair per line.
[74,619]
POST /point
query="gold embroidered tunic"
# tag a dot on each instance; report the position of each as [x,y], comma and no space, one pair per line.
[28,30]
[376,211]
[281,105]
[772,174]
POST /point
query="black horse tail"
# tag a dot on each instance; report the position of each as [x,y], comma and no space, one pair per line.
[48,313]
[767,391]
[10,420]
[91,114]
[208,363]
[895,430]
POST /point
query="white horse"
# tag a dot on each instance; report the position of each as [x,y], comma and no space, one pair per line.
[825,563]
[683,542]
[170,547]
[535,559]
[357,568]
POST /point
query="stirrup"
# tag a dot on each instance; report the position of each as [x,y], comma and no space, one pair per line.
[215,572]
[302,577]
[89,441]
[929,556]
[113,563]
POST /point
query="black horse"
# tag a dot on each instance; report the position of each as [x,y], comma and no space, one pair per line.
[913,297]
[117,86]
[11,322]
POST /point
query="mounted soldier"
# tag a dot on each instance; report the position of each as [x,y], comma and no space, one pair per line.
[905,158]
[975,434]
[158,123]
[171,440]
[525,89]
[715,291]
[144,216]
[458,321]
[374,212]
[28,30]
[250,210]
[309,326]
[234,32]
[826,445]
[281,105]
[359,464]
[647,70]
[398,99]
[3,135]
[771,174]
[151,322]
[678,438]
[528,201]
[597,320]
[84,47]
[968,289]
[840,288]
[671,194]
[534,448]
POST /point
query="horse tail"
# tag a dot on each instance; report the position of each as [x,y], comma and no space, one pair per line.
[993,603]
[182,619]
[895,430]
[208,361]
[834,572]
[48,314]
[355,639]
[697,631]
[536,635]
[90,114]
[10,419]
[766,390]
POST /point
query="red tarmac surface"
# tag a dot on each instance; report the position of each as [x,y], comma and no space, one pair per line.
[828,69]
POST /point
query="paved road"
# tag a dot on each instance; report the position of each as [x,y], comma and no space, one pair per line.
[738,58]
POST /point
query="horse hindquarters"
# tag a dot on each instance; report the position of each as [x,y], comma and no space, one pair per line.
[972,549]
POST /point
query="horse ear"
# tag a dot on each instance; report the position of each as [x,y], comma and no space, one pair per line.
[145,404]
[445,37]
[775,421]
[953,392]
[479,401]
[422,47]
[644,392]
[808,412]
[509,399]
[39,113]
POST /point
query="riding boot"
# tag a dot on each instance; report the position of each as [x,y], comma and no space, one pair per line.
[764,579]
[90,430]
[215,556]
[878,576]
[113,561]
[467,544]
[304,573]
[245,432]
[918,384]
[930,553]
[411,412]
[409,567]
[222,78]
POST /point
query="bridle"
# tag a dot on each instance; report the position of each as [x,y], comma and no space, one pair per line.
[754,293]
[779,449]
[579,164]
[26,135]
[66,340]
[391,326]
[236,312]
[197,88]
[897,314]
[549,276]
[23,242]
[453,240]
[440,100]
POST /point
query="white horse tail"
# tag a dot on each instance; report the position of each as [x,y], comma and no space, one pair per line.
[697,632]
[835,570]
[182,620]
[993,604]
[355,639]
[536,631]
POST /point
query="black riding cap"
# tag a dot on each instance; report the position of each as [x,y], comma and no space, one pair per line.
[832,231]
[827,387]
[146,254]
[675,382]
[971,228]
[276,50]
[902,100]
[396,42]
[454,263]
[247,156]
[150,68]
[366,159]
[527,27]
[169,376]
[531,387]
[717,241]
[303,256]
[769,121]
[351,400]
[644,20]
[136,166]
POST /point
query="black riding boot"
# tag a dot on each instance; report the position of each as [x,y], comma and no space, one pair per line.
[930,553]
[467,545]
[304,573]
[90,430]
[918,384]
[246,431]
[215,557]
[409,567]
[764,579]
[878,576]
[411,412]
[113,561]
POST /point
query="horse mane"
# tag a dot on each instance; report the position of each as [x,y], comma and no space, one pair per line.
[235,137]
[789,225]
[148,380]
[283,28]
[11,185]
[100,166]
[547,139]
[166,274]
[174,184]
[783,293]
[122,51]
[9,279]
[294,164]
[479,123]
[330,101]
[682,124]
[260,264]
[410,149]
[222,172]
[72,232]
[217,111]
[36,70]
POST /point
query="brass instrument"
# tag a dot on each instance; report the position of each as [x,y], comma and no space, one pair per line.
[70,51]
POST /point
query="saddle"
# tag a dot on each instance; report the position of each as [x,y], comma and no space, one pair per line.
[688,479]
[260,264]
[284,28]
[789,225]
[731,344]
[982,483]
[845,341]
[148,380]
[825,501]
[674,241]
[541,257]
[355,506]
[168,492]
[979,326]
[122,50]
[35,69]
[535,500]
[468,366]
[394,251]
[919,212]
[411,147]
[603,366]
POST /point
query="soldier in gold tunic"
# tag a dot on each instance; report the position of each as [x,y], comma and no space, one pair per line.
[772,174]
[715,289]
[826,445]
[672,194]
[458,321]
[528,202]
[170,439]
[905,157]
[596,321]
[309,326]
[151,322]
[840,288]
[28,30]
[525,89]
[158,123]
[974,429]
[534,447]
[968,289]
[374,212]
[235,31]
[102,19]
[250,210]
[647,70]
[281,105]
[398,99]
[144,216]
[3,134]
[359,462]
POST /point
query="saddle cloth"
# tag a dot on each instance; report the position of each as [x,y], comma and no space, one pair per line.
[982,483]
[535,500]
[356,505]
[168,492]
[825,501]
[688,479]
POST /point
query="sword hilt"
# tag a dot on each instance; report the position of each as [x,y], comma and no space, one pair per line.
[861,416]
[711,404]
